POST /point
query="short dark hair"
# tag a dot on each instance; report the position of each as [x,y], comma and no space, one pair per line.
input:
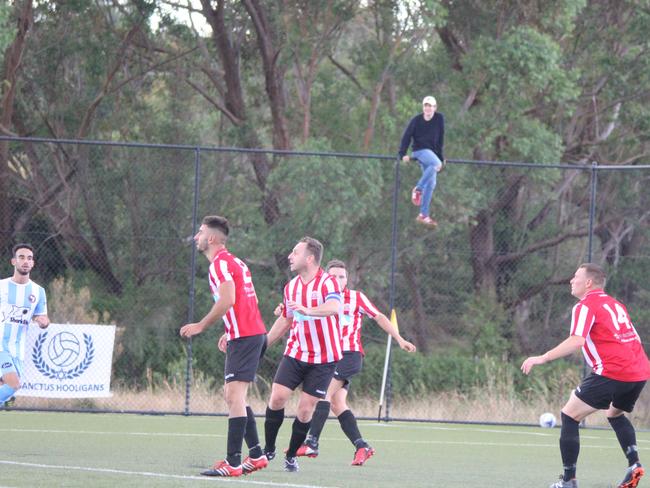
[314,247]
[595,273]
[335,263]
[21,245]
[217,222]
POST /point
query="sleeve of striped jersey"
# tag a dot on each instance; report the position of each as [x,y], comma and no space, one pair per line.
[220,271]
[41,305]
[367,306]
[330,288]
[581,320]
[286,311]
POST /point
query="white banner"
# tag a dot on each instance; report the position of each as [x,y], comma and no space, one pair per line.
[68,361]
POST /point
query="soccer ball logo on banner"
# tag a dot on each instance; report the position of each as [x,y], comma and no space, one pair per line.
[63,351]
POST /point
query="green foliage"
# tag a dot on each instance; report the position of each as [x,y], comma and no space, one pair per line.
[6,33]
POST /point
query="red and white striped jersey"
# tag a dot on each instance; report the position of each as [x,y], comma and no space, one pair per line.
[613,348]
[243,318]
[314,340]
[355,305]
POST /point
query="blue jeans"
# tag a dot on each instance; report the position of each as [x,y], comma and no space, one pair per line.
[430,163]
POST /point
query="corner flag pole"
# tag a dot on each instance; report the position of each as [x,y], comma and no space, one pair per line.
[393,320]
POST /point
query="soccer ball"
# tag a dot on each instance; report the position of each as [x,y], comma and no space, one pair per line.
[547,420]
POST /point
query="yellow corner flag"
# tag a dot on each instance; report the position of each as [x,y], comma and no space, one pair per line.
[393,319]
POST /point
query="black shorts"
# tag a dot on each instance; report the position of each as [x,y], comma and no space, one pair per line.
[315,378]
[348,366]
[599,392]
[243,357]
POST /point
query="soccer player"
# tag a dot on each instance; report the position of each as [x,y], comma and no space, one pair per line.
[243,342]
[601,326]
[21,301]
[427,132]
[311,306]
[355,306]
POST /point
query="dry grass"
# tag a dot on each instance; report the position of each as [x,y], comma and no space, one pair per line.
[484,405]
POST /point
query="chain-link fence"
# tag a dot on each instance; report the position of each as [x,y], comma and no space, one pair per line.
[112,225]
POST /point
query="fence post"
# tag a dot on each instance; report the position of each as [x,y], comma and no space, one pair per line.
[592,214]
[190,308]
[386,381]
[592,208]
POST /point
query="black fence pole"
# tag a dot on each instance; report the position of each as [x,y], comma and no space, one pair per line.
[592,209]
[593,181]
[190,308]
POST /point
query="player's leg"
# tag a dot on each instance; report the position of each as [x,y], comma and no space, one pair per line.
[316,380]
[9,371]
[321,412]
[362,450]
[288,376]
[624,401]
[242,357]
[591,395]
[256,459]
[235,396]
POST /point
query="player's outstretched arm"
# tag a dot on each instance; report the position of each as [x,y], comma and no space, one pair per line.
[278,329]
[564,348]
[390,329]
[218,310]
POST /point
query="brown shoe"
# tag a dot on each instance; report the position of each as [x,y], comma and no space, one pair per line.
[426,220]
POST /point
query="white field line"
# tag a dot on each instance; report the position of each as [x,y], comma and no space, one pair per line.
[158,475]
[374,441]
[549,432]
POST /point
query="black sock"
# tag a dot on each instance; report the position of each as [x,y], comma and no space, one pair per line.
[318,420]
[569,446]
[252,439]
[298,434]
[236,429]
[626,437]
[349,425]
[272,424]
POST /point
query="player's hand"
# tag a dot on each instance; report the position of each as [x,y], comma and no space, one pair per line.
[297,307]
[222,343]
[190,330]
[406,158]
[278,310]
[43,321]
[528,364]
[407,346]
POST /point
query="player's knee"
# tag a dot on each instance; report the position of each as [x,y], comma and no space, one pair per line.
[338,406]
[12,381]
[277,401]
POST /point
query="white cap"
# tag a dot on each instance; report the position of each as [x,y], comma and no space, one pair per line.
[430,100]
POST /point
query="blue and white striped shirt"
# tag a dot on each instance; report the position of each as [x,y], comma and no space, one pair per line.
[18,304]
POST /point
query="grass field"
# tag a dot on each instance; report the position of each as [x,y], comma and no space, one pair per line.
[108,450]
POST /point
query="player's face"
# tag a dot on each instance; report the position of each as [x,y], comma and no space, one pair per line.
[580,283]
[298,257]
[341,276]
[23,261]
[201,238]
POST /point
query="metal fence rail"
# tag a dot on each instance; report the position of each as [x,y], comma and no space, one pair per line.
[114,220]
